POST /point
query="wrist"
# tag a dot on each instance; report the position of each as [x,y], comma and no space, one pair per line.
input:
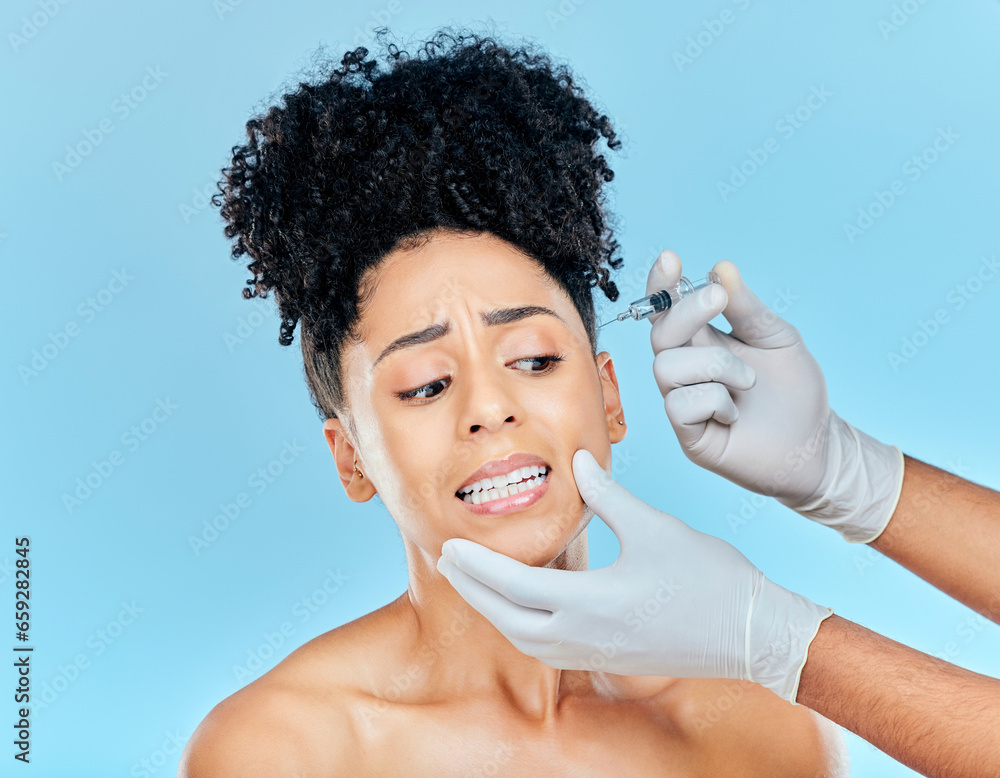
[780,628]
[862,487]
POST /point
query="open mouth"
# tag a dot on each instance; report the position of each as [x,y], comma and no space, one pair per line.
[518,480]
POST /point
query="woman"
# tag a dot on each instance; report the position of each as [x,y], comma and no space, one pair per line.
[437,230]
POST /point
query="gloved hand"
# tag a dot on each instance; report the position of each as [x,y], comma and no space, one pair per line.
[676,602]
[751,405]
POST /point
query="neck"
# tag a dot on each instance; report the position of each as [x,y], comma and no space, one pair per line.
[456,652]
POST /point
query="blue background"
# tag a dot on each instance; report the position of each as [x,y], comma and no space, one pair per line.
[179,333]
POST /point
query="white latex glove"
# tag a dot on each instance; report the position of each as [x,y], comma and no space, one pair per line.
[676,602]
[751,405]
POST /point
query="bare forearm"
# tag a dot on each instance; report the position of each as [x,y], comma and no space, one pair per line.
[947,530]
[932,716]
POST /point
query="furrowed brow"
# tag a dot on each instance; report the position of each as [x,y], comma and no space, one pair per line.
[494,318]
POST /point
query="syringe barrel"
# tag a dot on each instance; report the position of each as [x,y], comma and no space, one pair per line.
[647,306]
[667,298]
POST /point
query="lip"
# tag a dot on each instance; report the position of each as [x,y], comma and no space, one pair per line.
[512,503]
[503,466]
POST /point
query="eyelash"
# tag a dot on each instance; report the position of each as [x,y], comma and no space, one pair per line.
[552,359]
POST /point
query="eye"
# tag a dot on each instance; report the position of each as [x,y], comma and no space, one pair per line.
[550,361]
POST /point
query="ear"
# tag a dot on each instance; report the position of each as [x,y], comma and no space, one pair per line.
[357,485]
[613,410]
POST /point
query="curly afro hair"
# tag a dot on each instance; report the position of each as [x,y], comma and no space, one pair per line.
[469,136]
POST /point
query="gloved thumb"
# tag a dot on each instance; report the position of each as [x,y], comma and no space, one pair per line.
[753,322]
[617,507]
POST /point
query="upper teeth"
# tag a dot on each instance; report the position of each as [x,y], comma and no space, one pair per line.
[518,474]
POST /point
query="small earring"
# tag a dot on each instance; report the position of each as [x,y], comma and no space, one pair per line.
[621,422]
[358,471]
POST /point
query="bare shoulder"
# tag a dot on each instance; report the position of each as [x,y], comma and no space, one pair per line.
[749,730]
[294,721]
[266,730]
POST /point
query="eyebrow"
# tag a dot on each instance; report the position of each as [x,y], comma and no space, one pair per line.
[492,318]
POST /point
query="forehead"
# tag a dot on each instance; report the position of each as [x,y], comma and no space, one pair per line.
[415,288]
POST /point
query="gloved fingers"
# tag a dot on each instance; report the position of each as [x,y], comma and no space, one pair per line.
[512,620]
[664,274]
[752,322]
[687,365]
[531,587]
[628,516]
[689,409]
[678,325]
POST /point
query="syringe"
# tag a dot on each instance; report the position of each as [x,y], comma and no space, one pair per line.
[664,299]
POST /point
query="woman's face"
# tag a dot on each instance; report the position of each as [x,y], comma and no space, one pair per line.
[430,411]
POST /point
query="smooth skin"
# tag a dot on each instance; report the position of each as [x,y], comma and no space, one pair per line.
[933,716]
[426,686]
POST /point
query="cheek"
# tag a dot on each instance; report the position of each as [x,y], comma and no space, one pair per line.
[427,465]
[577,406]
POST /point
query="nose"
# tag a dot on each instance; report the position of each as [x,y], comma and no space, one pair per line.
[491,393]
[476,427]
[491,401]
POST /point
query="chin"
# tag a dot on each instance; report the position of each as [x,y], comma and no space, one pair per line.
[542,546]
